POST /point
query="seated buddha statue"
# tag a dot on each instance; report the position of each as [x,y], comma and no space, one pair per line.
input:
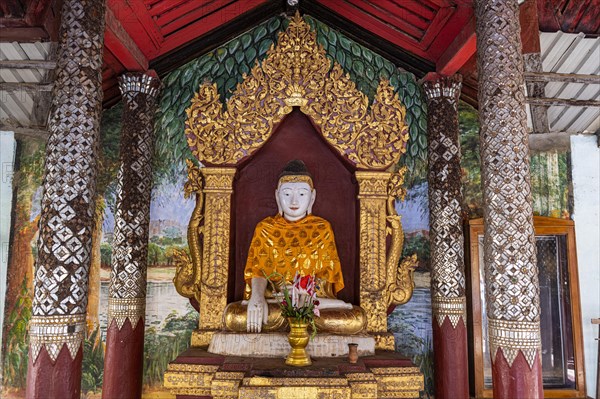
[293,241]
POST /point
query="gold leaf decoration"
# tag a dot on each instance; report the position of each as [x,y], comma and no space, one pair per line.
[297,72]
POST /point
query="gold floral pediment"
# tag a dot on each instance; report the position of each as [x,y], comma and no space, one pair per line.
[296,72]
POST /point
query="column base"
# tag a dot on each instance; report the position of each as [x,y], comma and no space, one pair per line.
[54,380]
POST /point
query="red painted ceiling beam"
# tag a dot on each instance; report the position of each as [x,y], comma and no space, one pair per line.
[188,13]
[139,25]
[530,27]
[374,25]
[459,51]
[208,23]
[386,16]
[122,46]
[464,45]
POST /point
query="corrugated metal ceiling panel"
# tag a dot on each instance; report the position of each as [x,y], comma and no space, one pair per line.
[576,54]
[20,107]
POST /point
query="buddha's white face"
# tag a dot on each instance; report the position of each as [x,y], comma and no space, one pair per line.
[295,200]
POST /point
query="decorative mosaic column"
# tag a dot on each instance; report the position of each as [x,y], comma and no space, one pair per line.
[446,238]
[218,188]
[57,326]
[511,275]
[372,196]
[123,360]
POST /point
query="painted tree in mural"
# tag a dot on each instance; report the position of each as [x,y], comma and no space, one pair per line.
[20,267]
[469,160]
[110,130]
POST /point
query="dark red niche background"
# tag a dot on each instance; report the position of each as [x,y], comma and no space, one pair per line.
[254,196]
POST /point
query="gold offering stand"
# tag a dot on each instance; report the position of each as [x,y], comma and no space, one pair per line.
[295,73]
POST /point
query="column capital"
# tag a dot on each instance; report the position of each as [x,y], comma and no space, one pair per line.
[139,82]
[438,86]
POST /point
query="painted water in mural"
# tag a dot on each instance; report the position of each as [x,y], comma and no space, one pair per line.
[169,317]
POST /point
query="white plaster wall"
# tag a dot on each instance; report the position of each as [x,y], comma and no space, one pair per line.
[7,159]
[586,189]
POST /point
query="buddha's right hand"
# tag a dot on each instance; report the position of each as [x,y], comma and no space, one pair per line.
[258,310]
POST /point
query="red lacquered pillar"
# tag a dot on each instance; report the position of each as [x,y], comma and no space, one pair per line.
[57,327]
[446,238]
[511,275]
[123,362]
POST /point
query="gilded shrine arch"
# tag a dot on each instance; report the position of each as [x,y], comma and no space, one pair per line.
[296,73]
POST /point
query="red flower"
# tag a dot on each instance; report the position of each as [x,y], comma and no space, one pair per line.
[317,303]
[304,282]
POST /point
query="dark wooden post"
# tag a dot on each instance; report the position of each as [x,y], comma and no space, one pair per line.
[57,326]
[511,275]
[446,238]
[124,357]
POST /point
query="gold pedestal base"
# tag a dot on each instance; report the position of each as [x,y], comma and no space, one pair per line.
[198,374]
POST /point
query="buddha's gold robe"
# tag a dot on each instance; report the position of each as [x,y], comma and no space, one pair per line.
[282,248]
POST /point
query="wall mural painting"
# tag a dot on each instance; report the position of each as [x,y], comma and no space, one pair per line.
[169,318]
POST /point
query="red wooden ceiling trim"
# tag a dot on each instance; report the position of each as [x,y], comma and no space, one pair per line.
[459,52]
[134,17]
[172,21]
[409,15]
[394,36]
[118,41]
[457,22]
[417,7]
[208,23]
[112,63]
[581,16]
[107,74]
[160,7]
[439,3]
[111,96]
[530,32]
[11,33]
[436,26]
[386,17]
[546,17]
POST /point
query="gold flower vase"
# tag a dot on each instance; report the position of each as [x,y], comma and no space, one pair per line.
[298,339]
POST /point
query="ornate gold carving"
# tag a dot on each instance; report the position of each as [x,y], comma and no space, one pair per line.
[215,257]
[291,381]
[297,72]
[385,280]
[362,385]
[189,379]
[378,382]
[453,308]
[120,309]
[398,382]
[189,266]
[372,197]
[53,332]
[195,368]
[514,336]
[399,282]
[384,340]
[226,384]
[201,338]
[395,370]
